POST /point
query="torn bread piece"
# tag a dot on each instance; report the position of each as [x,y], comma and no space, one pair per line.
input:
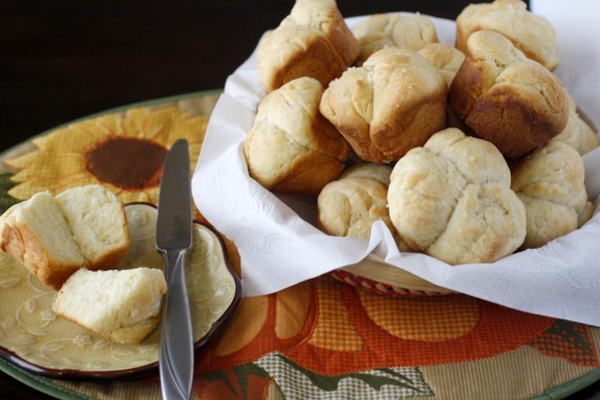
[120,305]
[55,236]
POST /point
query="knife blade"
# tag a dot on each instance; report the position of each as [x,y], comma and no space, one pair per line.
[174,237]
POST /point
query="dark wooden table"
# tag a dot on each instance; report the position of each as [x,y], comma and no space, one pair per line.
[62,60]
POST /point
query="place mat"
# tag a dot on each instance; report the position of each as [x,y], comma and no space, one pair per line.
[321,338]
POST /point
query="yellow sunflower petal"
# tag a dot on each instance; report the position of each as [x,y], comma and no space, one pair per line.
[66,141]
[100,127]
[24,160]
[110,187]
[113,123]
[133,122]
[73,181]
[195,151]
[152,194]
[132,197]
[40,142]
[46,173]
[146,196]
[27,189]
[143,123]
[51,163]
[160,121]
[192,129]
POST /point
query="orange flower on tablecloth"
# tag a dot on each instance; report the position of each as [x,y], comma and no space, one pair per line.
[124,152]
[323,331]
[332,328]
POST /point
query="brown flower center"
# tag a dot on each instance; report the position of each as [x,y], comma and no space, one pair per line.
[128,163]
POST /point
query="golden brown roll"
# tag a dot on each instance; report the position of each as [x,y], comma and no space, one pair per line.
[350,205]
[291,147]
[394,102]
[577,134]
[445,58]
[506,98]
[380,172]
[412,31]
[550,182]
[313,40]
[530,33]
[452,200]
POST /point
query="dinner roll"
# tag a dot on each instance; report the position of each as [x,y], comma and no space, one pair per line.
[120,305]
[506,98]
[55,236]
[380,172]
[313,40]
[550,182]
[451,199]
[395,101]
[577,133]
[410,30]
[291,147]
[445,58]
[351,205]
[532,34]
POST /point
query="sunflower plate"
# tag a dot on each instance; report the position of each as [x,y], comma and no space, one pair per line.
[122,149]
[33,337]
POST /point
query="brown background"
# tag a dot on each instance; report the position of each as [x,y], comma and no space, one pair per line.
[62,60]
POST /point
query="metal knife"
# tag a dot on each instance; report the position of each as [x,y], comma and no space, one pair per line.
[173,239]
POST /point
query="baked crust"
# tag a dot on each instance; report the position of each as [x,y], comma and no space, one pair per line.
[55,236]
[391,104]
[451,199]
[506,98]
[577,133]
[445,58]
[350,205]
[291,147]
[409,30]
[550,182]
[313,40]
[23,244]
[532,34]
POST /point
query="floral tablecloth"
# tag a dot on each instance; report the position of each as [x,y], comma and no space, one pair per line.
[321,338]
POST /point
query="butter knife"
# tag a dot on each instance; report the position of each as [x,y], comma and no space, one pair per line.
[173,240]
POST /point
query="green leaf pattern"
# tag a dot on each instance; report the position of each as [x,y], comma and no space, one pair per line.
[296,382]
[242,372]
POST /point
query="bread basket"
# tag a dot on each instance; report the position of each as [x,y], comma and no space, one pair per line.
[280,246]
[375,275]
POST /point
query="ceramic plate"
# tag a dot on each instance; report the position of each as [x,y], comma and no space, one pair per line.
[33,337]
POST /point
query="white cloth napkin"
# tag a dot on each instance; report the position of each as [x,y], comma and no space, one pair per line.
[279,248]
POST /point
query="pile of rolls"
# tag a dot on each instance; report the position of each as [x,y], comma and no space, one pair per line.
[467,153]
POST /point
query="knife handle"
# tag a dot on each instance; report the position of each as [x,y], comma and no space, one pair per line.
[176,356]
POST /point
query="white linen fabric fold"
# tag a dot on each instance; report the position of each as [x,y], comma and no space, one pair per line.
[279,246]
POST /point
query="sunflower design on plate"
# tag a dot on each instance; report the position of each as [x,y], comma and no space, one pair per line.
[123,151]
